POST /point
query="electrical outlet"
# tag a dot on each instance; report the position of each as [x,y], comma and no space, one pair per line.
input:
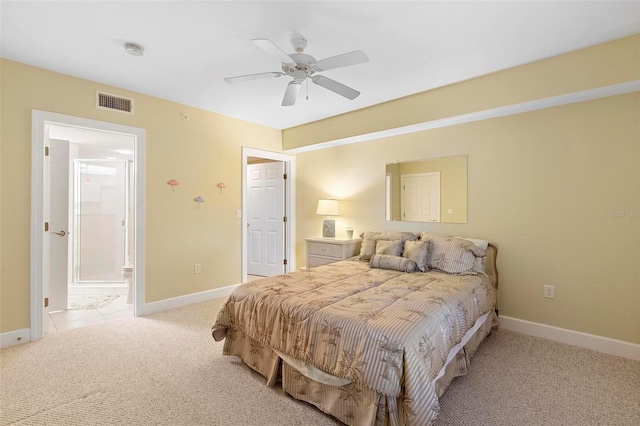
[197,268]
[549,291]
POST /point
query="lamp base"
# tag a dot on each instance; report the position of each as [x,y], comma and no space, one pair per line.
[328,228]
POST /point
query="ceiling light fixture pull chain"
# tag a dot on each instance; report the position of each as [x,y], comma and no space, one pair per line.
[307,89]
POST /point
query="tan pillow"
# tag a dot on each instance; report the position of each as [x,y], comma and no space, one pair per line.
[396,263]
[394,248]
[452,255]
[418,251]
[369,239]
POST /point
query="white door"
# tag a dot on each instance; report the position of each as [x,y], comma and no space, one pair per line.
[58,223]
[265,199]
[420,200]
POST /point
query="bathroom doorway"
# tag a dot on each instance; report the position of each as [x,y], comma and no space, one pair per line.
[90,269]
[85,261]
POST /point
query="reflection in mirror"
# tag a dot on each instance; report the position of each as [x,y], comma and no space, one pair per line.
[428,190]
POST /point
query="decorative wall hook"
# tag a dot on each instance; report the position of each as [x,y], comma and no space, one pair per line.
[222,186]
[173,184]
[199,200]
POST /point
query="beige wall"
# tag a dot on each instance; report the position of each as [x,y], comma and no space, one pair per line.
[542,185]
[598,66]
[199,153]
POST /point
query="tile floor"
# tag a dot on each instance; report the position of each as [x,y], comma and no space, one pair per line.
[66,320]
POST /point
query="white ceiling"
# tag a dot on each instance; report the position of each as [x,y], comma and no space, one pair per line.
[191,46]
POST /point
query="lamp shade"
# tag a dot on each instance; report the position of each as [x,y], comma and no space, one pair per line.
[328,207]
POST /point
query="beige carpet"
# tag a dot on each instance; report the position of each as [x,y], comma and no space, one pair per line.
[165,369]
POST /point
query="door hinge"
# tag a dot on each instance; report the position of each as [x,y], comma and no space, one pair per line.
[46,302]
[46,227]
[46,151]
[284,261]
[284,176]
[284,219]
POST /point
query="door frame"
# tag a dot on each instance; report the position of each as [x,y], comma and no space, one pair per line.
[289,207]
[39,119]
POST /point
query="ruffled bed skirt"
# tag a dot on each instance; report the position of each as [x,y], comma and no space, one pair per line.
[354,404]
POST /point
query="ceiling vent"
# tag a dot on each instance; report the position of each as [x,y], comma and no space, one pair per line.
[113,102]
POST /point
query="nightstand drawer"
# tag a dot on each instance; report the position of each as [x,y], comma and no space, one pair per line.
[325,249]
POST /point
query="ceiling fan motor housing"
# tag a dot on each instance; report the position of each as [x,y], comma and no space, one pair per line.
[301,68]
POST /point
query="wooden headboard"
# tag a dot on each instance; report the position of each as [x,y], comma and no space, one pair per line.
[491,267]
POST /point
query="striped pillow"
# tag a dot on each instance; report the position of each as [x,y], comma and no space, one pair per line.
[452,255]
[396,263]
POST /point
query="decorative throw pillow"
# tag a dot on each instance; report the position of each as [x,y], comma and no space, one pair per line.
[480,263]
[369,239]
[418,251]
[452,255]
[394,248]
[396,263]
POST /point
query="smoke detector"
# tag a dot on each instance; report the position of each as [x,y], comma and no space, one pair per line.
[133,49]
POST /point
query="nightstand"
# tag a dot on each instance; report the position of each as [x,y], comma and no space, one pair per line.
[321,251]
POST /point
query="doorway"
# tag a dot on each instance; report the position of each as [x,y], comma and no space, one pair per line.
[86,220]
[267,213]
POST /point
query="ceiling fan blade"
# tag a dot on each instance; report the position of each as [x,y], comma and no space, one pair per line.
[273,50]
[346,59]
[291,94]
[335,87]
[247,77]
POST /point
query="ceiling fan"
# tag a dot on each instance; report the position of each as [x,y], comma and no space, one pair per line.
[301,67]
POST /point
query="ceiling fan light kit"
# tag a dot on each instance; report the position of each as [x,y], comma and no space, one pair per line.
[301,66]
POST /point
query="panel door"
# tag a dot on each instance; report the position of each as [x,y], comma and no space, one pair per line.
[265,191]
[420,200]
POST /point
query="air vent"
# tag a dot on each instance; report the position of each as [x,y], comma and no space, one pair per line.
[113,102]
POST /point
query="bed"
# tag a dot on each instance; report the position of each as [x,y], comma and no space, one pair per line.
[375,339]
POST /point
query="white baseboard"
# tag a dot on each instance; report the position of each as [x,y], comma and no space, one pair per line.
[575,338]
[15,337]
[188,299]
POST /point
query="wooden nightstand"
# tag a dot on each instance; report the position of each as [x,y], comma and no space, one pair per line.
[321,251]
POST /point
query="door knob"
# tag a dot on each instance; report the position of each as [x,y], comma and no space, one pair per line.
[61,233]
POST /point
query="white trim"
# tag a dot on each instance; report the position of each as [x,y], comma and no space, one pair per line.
[553,101]
[38,121]
[575,338]
[290,208]
[10,338]
[188,299]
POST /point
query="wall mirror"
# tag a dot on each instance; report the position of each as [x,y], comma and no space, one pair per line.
[433,190]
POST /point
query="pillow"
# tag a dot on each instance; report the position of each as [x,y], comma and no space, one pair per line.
[452,255]
[394,248]
[418,251]
[396,263]
[480,262]
[369,239]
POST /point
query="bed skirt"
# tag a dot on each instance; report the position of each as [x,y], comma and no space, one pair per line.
[354,404]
